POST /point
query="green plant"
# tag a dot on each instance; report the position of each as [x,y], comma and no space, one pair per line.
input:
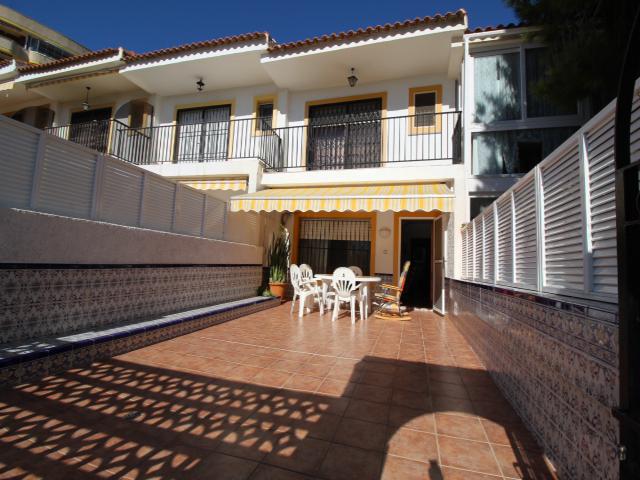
[278,256]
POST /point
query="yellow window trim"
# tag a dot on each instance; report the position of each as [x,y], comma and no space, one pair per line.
[371,216]
[413,130]
[271,98]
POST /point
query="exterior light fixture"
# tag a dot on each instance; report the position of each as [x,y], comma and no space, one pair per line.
[85,104]
[352,79]
[200,84]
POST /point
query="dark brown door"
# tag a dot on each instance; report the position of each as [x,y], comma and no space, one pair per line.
[344,135]
[415,247]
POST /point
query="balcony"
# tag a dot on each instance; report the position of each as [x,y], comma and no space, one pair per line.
[326,146]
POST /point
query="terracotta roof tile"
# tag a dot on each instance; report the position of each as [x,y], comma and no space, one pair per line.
[495,27]
[107,52]
[198,45]
[361,32]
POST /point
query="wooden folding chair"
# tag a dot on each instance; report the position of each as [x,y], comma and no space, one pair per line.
[389,306]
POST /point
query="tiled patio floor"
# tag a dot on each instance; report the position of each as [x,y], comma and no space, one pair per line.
[268,396]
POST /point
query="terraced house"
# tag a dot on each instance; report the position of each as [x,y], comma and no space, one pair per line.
[420,141]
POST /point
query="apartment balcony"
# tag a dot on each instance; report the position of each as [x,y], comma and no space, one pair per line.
[335,145]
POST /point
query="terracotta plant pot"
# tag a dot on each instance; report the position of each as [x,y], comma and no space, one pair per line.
[278,289]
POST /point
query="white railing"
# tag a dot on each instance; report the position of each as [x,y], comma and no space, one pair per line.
[555,230]
[42,172]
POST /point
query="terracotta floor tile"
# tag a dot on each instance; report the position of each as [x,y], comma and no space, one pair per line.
[202,415]
[339,388]
[367,411]
[412,418]
[469,455]
[286,365]
[303,382]
[267,472]
[412,444]
[522,464]
[302,456]
[348,463]
[361,434]
[397,468]
[460,426]
[271,378]
[406,398]
[372,393]
[448,473]
[512,435]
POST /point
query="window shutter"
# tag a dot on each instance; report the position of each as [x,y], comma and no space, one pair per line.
[489,245]
[602,208]
[465,251]
[562,229]
[505,240]
[526,243]
[478,240]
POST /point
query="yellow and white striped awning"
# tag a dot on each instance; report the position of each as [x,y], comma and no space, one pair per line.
[227,184]
[369,198]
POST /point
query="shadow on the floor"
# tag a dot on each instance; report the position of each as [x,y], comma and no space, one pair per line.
[120,419]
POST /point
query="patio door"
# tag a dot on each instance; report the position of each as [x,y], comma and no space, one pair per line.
[203,134]
[437,243]
[344,135]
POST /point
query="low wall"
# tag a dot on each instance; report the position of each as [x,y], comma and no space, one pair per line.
[556,361]
[33,237]
[60,275]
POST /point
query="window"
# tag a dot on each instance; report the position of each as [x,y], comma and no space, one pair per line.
[425,103]
[46,48]
[514,151]
[497,87]
[328,243]
[538,106]
[478,204]
[265,116]
[264,109]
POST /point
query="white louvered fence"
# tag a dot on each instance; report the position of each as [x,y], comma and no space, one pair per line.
[555,230]
[41,172]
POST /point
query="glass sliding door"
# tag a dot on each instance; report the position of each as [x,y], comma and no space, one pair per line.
[203,134]
[344,135]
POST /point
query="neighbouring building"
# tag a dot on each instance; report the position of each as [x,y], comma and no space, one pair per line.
[373,146]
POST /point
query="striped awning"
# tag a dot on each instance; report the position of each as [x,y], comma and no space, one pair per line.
[369,198]
[226,184]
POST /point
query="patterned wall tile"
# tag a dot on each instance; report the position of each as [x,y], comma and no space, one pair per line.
[40,302]
[557,365]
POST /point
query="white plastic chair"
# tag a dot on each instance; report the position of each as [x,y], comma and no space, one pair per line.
[303,291]
[357,270]
[306,273]
[346,291]
[364,289]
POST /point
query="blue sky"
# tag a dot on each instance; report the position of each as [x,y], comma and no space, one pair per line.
[147,25]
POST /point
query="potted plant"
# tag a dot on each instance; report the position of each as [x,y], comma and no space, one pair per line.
[278,259]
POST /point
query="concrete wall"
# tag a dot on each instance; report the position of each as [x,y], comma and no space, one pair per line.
[31,237]
[556,361]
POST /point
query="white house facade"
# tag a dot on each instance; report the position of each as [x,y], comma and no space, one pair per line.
[373,147]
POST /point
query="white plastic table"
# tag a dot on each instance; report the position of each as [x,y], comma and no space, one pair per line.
[365,280]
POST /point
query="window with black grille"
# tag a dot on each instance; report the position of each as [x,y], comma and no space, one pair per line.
[265,116]
[328,243]
[425,105]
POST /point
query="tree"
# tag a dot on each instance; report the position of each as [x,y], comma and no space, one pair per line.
[586,39]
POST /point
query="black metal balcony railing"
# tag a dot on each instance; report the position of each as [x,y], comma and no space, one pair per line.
[329,146]
[95,134]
